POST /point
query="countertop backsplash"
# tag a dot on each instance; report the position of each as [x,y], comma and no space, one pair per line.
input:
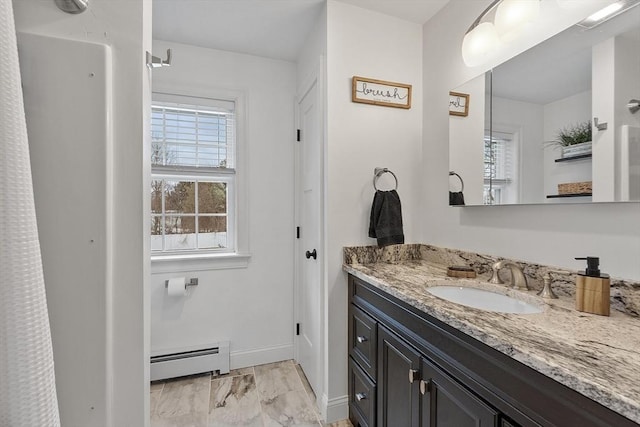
[625,294]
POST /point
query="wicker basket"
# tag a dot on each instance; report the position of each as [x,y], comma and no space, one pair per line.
[575,187]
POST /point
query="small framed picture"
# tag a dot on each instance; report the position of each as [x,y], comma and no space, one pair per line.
[380,92]
[458,104]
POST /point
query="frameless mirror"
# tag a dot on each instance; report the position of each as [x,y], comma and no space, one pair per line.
[554,124]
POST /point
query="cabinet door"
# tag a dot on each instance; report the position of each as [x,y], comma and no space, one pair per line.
[445,403]
[398,382]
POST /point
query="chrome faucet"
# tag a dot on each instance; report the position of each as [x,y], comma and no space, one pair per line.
[518,280]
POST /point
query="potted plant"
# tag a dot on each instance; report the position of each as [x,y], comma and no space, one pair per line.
[574,140]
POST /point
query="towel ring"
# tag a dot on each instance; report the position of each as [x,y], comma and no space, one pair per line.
[377,172]
[451,173]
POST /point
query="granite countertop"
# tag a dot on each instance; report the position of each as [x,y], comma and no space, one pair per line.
[594,355]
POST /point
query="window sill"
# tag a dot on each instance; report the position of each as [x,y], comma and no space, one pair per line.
[199,262]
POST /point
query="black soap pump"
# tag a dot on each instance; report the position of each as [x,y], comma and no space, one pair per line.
[593,289]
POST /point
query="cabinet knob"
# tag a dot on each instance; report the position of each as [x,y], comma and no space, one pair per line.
[425,387]
[360,396]
[413,375]
[362,339]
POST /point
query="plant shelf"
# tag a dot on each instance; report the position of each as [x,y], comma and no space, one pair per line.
[571,158]
[559,196]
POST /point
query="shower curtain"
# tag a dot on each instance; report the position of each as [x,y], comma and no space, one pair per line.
[27,382]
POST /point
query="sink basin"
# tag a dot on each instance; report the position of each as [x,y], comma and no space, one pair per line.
[483,300]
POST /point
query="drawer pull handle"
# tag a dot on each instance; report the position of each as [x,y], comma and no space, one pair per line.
[425,387]
[413,375]
[360,396]
[362,339]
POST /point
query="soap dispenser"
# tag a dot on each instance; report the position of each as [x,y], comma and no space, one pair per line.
[593,289]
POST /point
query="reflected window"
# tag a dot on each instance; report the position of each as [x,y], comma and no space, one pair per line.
[500,169]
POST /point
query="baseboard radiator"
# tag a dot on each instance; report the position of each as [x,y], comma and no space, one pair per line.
[190,361]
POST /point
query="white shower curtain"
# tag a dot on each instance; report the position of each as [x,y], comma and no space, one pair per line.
[27,381]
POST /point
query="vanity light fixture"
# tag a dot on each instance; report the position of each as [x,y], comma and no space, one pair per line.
[485,35]
[512,16]
[479,43]
[604,14]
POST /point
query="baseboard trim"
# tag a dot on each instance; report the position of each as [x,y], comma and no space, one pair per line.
[260,356]
[335,409]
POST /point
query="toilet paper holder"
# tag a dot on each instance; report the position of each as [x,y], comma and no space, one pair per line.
[192,282]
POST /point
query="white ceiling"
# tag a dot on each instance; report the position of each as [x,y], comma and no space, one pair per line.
[418,11]
[270,28]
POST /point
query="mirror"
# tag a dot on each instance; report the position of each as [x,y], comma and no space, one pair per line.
[507,149]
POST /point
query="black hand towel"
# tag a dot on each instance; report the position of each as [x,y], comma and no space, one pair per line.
[386,218]
[456,198]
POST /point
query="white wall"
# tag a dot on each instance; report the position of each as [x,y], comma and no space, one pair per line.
[253,306]
[360,138]
[125,26]
[548,234]
[314,47]
[559,115]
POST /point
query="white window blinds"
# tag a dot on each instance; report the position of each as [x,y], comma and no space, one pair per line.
[184,136]
[498,158]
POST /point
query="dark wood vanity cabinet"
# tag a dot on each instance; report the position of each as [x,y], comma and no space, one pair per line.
[391,384]
[412,391]
[408,369]
[398,381]
[446,403]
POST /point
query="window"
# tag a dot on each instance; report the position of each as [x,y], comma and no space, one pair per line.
[499,169]
[193,175]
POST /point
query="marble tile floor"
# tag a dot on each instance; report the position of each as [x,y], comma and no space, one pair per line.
[272,395]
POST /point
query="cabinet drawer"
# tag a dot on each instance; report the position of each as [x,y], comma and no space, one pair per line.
[362,396]
[362,340]
[356,420]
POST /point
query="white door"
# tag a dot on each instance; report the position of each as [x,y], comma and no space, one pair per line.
[309,249]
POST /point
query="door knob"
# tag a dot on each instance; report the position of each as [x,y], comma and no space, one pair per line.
[313,254]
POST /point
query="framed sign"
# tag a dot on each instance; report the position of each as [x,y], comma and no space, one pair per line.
[458,104]
[380,92]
